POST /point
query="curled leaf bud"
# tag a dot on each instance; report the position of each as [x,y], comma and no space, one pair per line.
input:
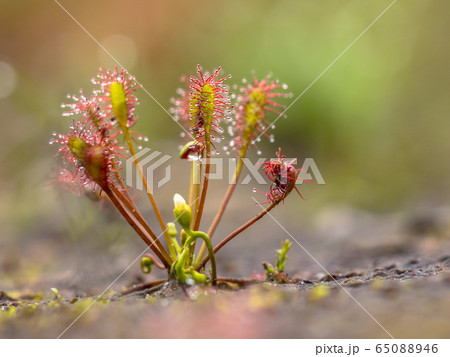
[191,151]
[182,211]
[146,264]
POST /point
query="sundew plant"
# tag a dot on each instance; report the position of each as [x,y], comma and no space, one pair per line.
[100,138]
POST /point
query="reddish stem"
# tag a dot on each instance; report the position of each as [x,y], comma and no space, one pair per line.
[198,217]
[142,287]
[239,230]
[226,199]
[155,261]
[135,212]
[148,237]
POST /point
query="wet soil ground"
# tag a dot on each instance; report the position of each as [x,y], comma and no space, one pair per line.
[390,283]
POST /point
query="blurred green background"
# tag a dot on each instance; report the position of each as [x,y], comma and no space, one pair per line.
[376,123]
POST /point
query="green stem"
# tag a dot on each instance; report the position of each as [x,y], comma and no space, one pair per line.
[179,265]
[176,245]
[197,234]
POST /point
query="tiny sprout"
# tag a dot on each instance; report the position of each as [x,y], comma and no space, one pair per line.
[277,273]
[282,255]
[146,264]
